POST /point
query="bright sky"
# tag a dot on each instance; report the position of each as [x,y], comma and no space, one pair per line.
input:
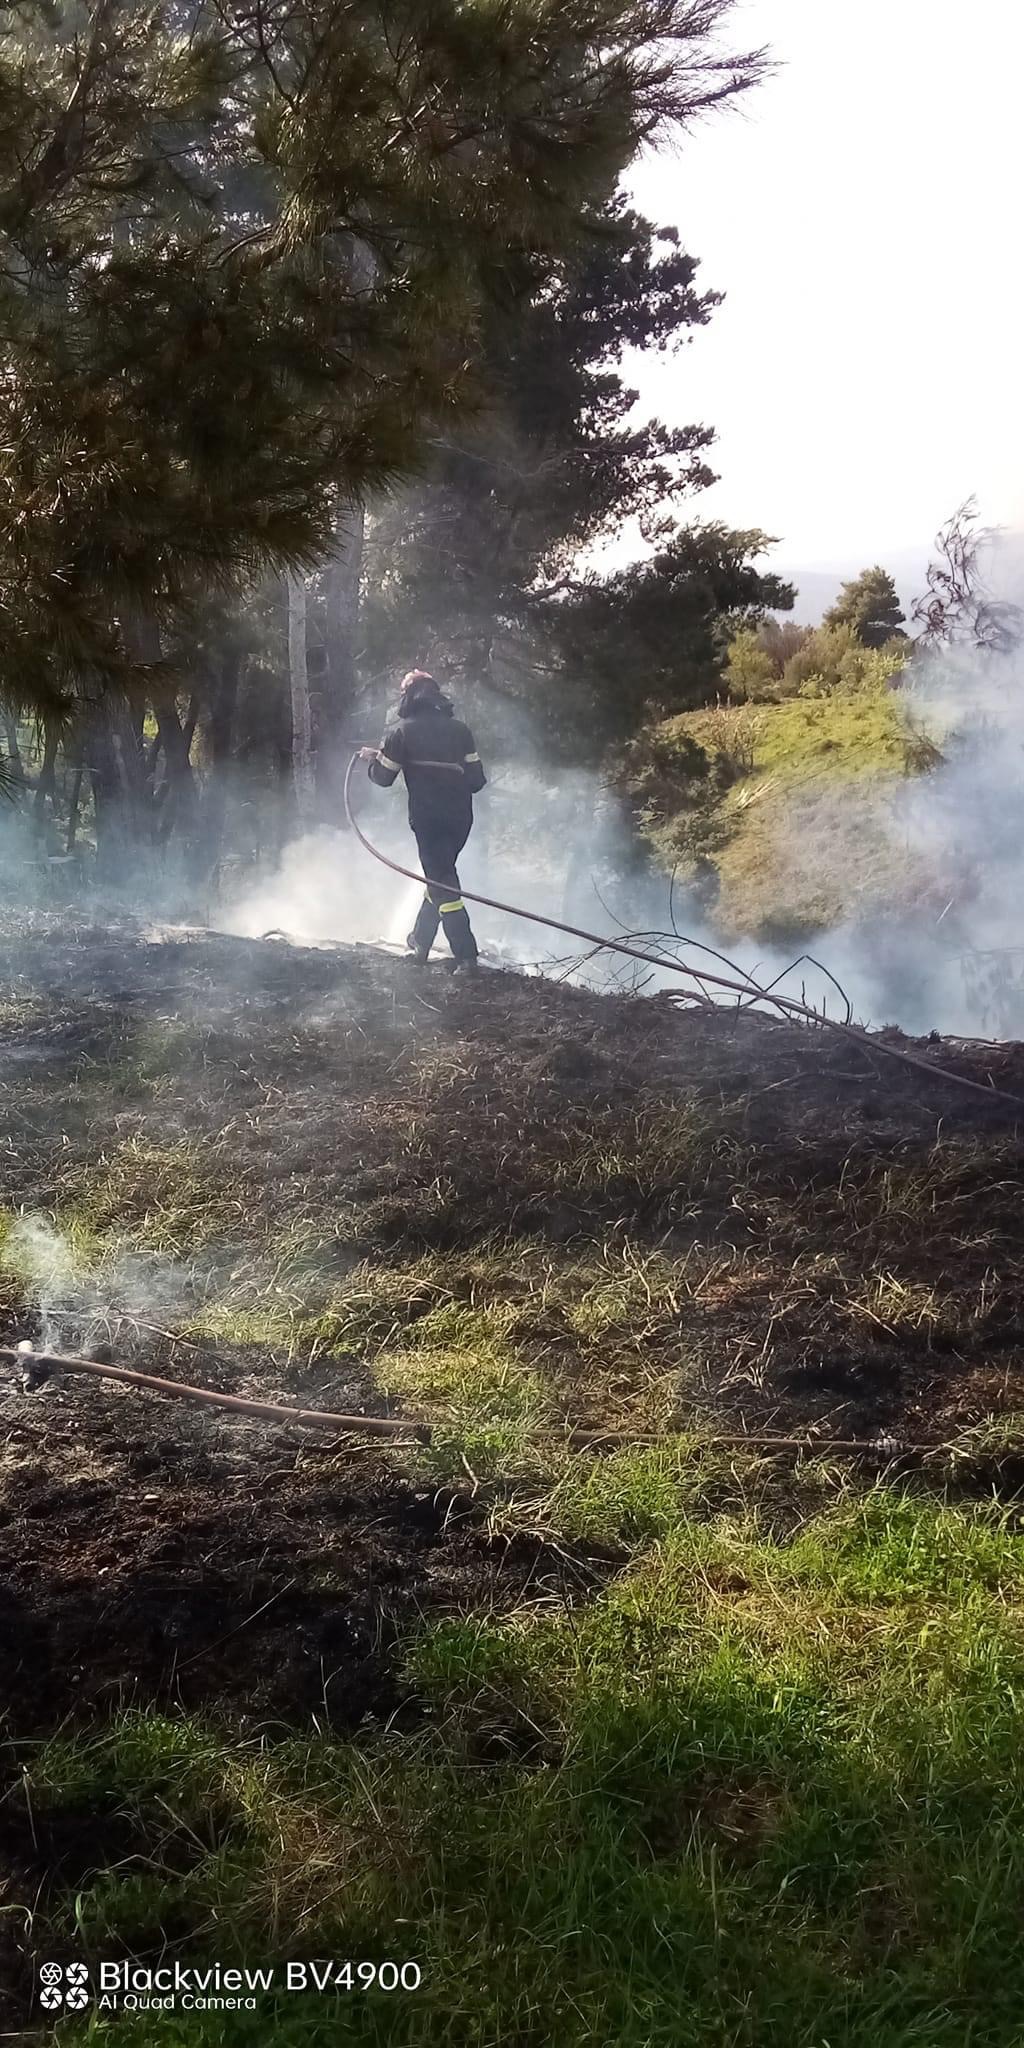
[863,212]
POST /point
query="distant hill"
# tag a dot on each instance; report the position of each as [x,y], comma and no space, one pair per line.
[817,589]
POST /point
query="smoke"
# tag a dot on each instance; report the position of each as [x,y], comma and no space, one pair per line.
[963,822]
[80,1301]
[552,845]
[314,894]
[928,937]
[935,940]
[562,846]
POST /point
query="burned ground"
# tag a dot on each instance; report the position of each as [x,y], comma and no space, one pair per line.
[514,1209]
[842,1233]
[664,1216]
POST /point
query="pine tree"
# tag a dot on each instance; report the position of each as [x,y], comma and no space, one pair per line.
[478,565]
[472,561]
[652,639]
[195,386]
[870,605]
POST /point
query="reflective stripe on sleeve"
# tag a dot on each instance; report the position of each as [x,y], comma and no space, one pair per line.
[472,757]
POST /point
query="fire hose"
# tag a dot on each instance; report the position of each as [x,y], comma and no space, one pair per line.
[787,1005]
[887,1448]
[310,1418]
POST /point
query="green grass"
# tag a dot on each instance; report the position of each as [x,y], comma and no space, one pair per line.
[799,825]
[845,735]
[754,1793]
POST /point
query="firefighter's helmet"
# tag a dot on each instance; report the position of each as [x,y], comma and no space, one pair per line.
[420,687]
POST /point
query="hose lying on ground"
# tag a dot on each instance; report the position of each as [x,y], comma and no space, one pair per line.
[787,1005]
[310,1418]
[886,1447]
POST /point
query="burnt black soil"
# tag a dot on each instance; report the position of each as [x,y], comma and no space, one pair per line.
[147,1557]
[854,1229]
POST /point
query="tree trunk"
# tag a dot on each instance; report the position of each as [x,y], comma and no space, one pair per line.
[76,794]
[47,782]
[210,835]
[337,692]
[302,720]
[13,749]
[181,801]
[117,771]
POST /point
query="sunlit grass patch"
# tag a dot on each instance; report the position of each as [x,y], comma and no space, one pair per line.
[888,1546]
[269,1327]
[668,1148]
[175,1196]
[786,780]
[640,1494]
[485,1405]
[217,1827]
[903,1305]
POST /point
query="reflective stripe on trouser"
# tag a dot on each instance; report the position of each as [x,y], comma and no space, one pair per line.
[439,847]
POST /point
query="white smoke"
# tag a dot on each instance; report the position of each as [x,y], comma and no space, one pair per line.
[313,895]
[939,944]
[327,888]
[82,1301]
[562,847]
[964,820]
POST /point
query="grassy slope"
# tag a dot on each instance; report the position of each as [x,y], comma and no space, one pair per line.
[764,1787]
[807,836]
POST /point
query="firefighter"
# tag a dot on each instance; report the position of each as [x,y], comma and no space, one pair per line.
[436,754]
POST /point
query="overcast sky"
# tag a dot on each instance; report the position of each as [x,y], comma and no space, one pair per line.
[864,214]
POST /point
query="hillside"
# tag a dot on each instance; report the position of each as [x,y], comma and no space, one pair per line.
[792,810]
[622,1730]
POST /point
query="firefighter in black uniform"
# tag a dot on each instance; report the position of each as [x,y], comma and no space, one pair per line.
[436,754]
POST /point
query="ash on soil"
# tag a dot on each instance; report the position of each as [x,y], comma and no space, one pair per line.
[148,1551]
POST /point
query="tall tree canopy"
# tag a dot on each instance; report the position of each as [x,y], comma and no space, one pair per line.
[244,257]
[469,560]
[652,639]
[479,564]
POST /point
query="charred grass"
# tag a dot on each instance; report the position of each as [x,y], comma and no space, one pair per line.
[667,1742]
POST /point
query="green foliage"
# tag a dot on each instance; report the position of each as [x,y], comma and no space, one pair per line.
[869,605]
[752,1792]
[471,566]
[750,672]
[781,638]
[852,733]
[833,657]
[477,565]
[757,658]
[239,271]
[650,638]
[788,799]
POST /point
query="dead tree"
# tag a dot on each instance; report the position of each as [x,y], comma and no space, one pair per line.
[958,608]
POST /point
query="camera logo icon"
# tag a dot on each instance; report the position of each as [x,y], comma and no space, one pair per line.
[64,1984]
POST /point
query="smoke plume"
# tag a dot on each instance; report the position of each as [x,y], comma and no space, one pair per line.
[82,1302]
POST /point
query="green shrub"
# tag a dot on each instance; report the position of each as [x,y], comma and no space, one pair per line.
[751,675]
[832,658]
